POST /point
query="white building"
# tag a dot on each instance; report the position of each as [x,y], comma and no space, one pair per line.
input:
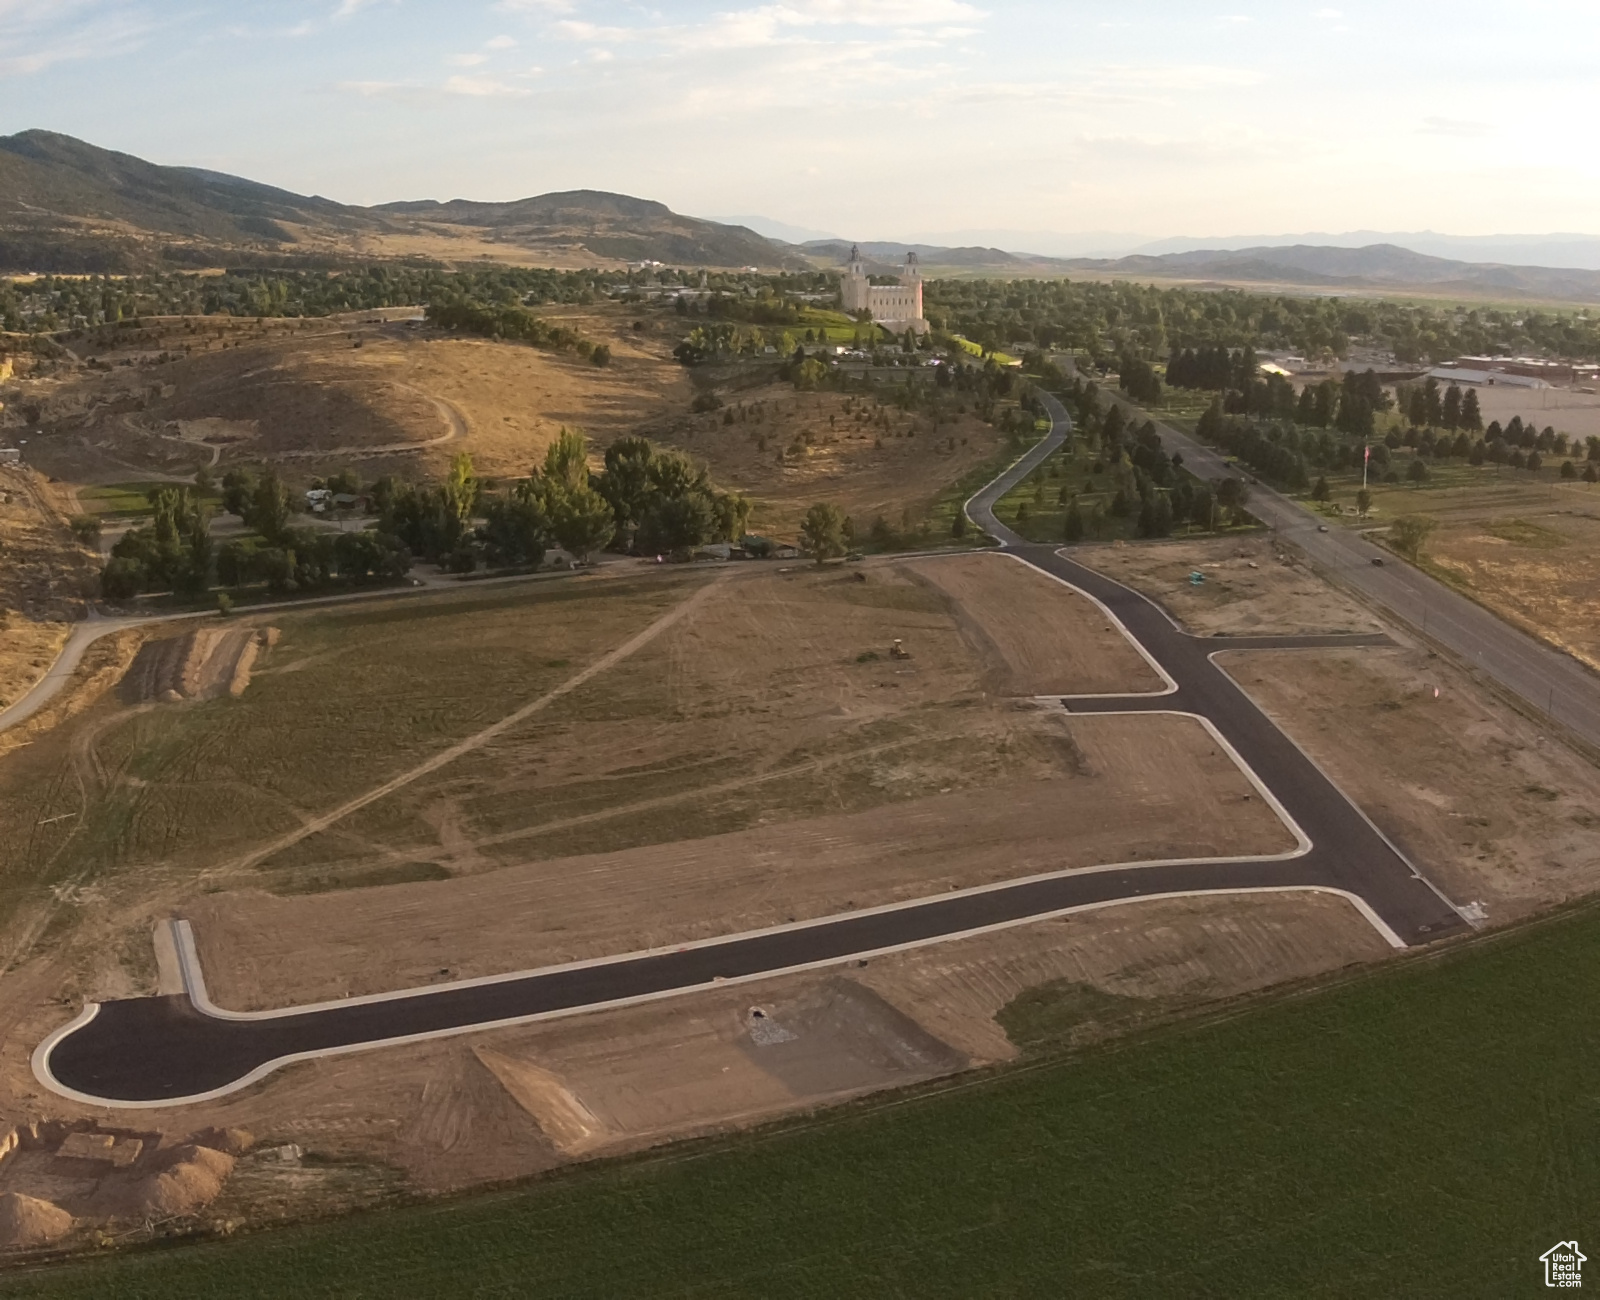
[897,307]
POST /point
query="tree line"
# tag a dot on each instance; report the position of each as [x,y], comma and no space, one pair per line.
[1108,320]
[517,324]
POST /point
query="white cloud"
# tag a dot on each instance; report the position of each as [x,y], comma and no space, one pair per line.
[350,8]
[535,6]
[1454,126]
[37,34]
[884,13]
[483,88]
[466,60]
[501,43]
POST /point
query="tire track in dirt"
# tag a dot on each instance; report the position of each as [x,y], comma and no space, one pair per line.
[457,426]
[481,738]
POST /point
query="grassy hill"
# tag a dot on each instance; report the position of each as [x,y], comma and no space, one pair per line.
[70,207]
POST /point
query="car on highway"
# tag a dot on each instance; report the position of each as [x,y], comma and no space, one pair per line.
[1322,528]
[1378,560]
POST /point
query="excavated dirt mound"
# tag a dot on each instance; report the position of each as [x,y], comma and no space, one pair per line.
[200,665]
[27,1222]
[189,1183]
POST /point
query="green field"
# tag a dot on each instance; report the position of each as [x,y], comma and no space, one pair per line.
[130,500]
[1427,1128]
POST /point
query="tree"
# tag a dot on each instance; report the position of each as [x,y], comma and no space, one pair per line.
[1232,495]
[1471,416]
[268,509]
[1320,490]
[566,460]
[1568,470]
[461,489]
[676,524]
[1363,502]
[809,374]
[1072,528]
[822,532]
[1155,516]
[958,525]
[1417,472]
[580,518]
[122,578]
[515,529]
[1589,473]
[1410,533]
[1452,407]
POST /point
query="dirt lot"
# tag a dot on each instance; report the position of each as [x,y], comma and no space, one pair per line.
[1489,806]
[1251,589]
[44,576]
[1565,409]
[1043,638]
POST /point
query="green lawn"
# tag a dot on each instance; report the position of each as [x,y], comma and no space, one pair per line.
[129,499]
[1426,1128]
[974,349]
[836,327]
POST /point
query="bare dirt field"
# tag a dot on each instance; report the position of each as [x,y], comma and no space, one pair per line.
[1044,638]
[205,664]
[1148,788]
[1564,409]
[44,577]
[1490,807]
[1251,588]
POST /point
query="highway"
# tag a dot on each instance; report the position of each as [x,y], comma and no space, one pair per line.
[155,1051]
[1550,682]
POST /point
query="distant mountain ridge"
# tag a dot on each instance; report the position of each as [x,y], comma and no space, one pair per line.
[1385,267]
[67,206]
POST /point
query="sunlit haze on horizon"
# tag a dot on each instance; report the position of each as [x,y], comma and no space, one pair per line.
[868,118]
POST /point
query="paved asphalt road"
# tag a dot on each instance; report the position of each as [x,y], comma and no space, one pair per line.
[163,1049]
[1551,682]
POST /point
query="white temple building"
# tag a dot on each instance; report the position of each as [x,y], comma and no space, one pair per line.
[897,307]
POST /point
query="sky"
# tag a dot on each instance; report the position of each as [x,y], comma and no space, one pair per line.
[876,119]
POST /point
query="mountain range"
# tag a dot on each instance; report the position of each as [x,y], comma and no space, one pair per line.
[1377,267]
[67,206]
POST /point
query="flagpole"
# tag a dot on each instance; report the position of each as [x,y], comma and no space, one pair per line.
[1366,459]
